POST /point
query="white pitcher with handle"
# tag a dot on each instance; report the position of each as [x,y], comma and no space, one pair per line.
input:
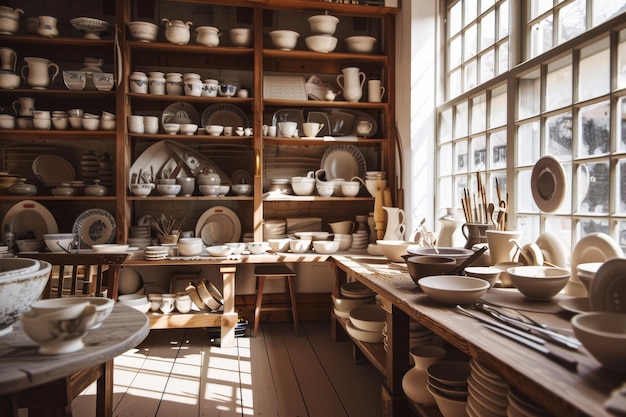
[351,82]
[38,70]
[395,223]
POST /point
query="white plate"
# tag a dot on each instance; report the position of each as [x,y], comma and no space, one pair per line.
[52,169]
[576,305]
[595,247]
[343,161]
[95,226]
[226,219]
[28,216]
[180,112]
[109,248]
[225,115]
[608,288]
[548,184]
[552,249]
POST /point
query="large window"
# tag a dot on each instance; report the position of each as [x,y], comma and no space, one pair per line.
[563,95]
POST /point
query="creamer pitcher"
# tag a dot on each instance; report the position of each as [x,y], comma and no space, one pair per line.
[351,82]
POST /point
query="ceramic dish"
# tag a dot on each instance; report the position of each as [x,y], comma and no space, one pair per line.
[576,305]
[552,249]
[594,247]
[95,226]
[608,288]
[109,248]
[224,115]
[89,24]
[29,216]
[52,169]
[241,176]
[548,184]
[355,289]
[289,115]
[343,161]
[227,221]
[180,112]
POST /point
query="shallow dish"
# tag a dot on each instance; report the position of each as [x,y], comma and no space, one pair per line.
[453,289]
[219,250]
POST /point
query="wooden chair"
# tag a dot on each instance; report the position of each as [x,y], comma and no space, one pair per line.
[75,274]
[274,271]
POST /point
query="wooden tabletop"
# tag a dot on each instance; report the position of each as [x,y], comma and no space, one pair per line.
[22,367]
[562,392]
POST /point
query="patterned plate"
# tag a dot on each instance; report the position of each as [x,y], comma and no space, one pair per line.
[95,226]
[225,115]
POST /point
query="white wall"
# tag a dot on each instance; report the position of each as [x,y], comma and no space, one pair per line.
[416,52]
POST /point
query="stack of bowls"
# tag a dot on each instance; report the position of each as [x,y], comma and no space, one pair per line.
[586,272]
[155,253]
[274,229]
[324,27]
[139,236]
[343,305]
[360,240]
[447,382]
[488,392]
[345,241]
[419,334]
[521,406]
[366,323]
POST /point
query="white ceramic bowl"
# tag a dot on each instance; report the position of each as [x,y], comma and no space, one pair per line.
[453,289]
[9,81]
[360,44]
[538,282]
[171,128]
[257,248]
[321,43]
[303,187]
[299,245]
[241,189]
[74,80]
[488,273]
[61,242]
[214,130]
[236,247]
[209,190]
[91,123]
[325,190]
[219,250]
[168,190]
[284,39]
[137,301]
[313,235]
[22,281]
[459,254]
[325,246]
[603,334]
[347,304]
[241,36]
[142,189]
[364,335]
[393,249]
[368,317]
[190,246]
[279,245]
[188,128]
[323,24]
[29,245]
[143,31]
[103,305]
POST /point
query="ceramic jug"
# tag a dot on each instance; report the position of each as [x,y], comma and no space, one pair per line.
[177,31]
[9,20]
[351,82]
[24,106]
[47,26]
[38,70]
[449,224]
[8,59]
[395,223]
[364,128]
[475,233]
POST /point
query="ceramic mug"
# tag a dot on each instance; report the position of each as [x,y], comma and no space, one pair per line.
[311,129]
[375,91]
[167,303]
[502,247]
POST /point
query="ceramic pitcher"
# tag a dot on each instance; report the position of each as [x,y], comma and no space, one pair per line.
[8,59]
[38,70]
[9,20]
[351,82]
[24,106]
[395,223]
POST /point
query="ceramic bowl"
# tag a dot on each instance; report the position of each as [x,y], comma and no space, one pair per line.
[103,305]
[284,39]
[209,190]
[488,273]
[325,246]
[60,242]
[325,190]
[603,334]
[29,245]
[241,36]
[313,235]
[299,245]
[60,123]
[142,189]
[137,301]
[9,81]
[459,254]
[364,335]
[171,128]
[321,43]
[103,81]
[453,289]
[360,44]
[106,124]
[227,90]
[76,122]
[22,281]
[168,190]
[350,188]
[223,189]
[241,189]
[188,128]
[393,249]
[214,130]
[448,406]
[74,80]
[236,247]
[257,248]
[369,317]
[538,282]
[279,245]
[90,123]
[323,24]
[423,266]
[59,332]
[219,250]
[143,31]
[190,246]
[347,304]
[303,187]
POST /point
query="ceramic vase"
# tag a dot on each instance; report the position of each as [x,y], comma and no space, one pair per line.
[36,72]
[414,382]
[351,82]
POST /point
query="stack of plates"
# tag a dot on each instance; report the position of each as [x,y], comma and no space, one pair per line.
[355,289]
[274,229]
[367,323]
[105,171]
[89,166]
[522,407]
[419,335]
[139,236]
[4,249]
[155,253]
[487,392]
[360,240]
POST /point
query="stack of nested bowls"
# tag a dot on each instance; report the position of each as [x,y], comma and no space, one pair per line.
[274,229]
[360,239]
[447,382]
[139,236]
[323,26]
[367,323]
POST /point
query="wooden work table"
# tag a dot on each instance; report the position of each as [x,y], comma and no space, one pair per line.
[562,392]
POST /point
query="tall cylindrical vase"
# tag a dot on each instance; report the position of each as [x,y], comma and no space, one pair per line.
[414,382]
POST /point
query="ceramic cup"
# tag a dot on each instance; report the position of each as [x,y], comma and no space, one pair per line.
[135,124]
[501,247]
[287,129]
[311,129]
[150,124]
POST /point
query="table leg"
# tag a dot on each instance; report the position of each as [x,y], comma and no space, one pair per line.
[104,397]
[229,316]
[8,406]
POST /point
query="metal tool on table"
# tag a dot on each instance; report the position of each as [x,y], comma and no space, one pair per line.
[500,325]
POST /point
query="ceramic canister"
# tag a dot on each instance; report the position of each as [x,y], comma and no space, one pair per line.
[139,82]
[156,83]
[174,83]
[192,84]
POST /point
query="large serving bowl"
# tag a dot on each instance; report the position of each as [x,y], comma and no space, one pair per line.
[393,249]
[143,31]
[325,246]
[103,305]
[61,242]
[21,283]
[360,44]
[603,334]
[137,301]
[321,43]
[459,254]
[538,282]
[347,304]
[284,39]
[423,266]
[368,317]
[323,24]
[453,289]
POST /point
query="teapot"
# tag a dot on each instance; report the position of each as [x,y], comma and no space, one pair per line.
[9,20]
[177,31]
[208,177]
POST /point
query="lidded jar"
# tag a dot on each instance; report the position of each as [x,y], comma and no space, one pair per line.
[208,35]
[210,87]
[156,83]
[209,177]
[174,83]
[177,31]
[96,189]
[192,84]
[20,187]
[139,82]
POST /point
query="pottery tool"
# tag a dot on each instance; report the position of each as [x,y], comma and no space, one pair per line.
[379,213]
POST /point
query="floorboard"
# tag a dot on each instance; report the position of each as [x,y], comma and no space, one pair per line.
[179,372]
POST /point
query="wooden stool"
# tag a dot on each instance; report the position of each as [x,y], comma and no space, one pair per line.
[273,271]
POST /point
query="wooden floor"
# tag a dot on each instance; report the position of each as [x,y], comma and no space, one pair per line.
[178,372]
